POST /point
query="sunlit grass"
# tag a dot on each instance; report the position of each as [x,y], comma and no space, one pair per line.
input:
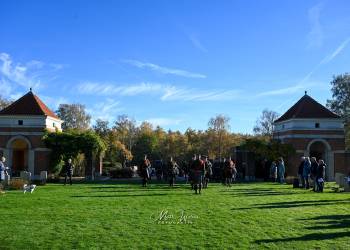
[126,216]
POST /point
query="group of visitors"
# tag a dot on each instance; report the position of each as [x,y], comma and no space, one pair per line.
[278,171]
[198,171]
[312,173]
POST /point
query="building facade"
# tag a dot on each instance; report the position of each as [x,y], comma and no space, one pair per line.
[314,131]
[22,126]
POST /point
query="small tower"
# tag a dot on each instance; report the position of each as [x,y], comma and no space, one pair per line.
[22,125]
[314,131]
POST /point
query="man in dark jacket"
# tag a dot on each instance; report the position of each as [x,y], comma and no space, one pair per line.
[300,172]
[69,171]
[314,167]
[320,175]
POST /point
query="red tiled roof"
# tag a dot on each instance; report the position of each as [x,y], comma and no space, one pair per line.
[29,104]
[307,107]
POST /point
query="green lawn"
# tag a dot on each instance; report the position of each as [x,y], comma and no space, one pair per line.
[124,216]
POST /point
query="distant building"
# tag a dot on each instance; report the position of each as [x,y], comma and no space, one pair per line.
[22,125]
[314,131]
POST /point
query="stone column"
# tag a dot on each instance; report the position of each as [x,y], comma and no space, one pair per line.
[330,161]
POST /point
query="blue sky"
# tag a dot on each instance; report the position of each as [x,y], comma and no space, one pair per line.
[174,63]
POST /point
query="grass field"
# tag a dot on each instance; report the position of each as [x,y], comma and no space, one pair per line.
[126,216]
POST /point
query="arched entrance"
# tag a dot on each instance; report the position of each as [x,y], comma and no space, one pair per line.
[18,154]
[321,149]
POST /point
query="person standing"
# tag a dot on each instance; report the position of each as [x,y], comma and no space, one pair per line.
[281,170]
[208,172]
[229,171]
[69,171]
[144,170]
[172,171]
[300,172]
[198,174]
[274,171]
[306,172]
[3,170]
[320,175]
[313,173]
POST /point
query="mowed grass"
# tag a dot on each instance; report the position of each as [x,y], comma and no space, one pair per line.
[124,216]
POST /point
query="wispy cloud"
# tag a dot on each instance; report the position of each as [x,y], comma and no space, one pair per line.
[24,75]
[164,70]
[315,36]
[336,52]
[107,110]
[197,43]
[305,82]
[166,92]
[163,121]
[108,89]
[287,90]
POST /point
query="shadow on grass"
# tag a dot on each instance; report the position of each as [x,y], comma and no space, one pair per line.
[331,222]
[296,204]
[323,222]
[308,237]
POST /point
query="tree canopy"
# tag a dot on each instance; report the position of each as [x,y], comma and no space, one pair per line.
[74,116]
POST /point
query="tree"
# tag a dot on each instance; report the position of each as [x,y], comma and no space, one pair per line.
[340,102]
[101,128]
[74,116]
[126,130]
[220,125]
[4,102]
[264,124]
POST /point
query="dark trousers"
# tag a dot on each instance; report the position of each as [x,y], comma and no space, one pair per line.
[144,182]
[320,185]
[70,179]
[306,182]
[171,181]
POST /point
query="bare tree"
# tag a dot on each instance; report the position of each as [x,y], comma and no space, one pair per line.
[220,125]
[74,116]
[4,102]
[264,124]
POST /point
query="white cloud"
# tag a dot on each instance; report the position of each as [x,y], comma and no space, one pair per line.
[14,75]
[315,36]
[106,110]
[163,121]
[166,92]
[164,70]
[197,43]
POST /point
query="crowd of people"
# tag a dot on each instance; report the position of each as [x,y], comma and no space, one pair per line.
[198,171]
[278,171]
[312,173]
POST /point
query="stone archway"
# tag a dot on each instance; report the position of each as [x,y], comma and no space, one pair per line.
[20,156]
[321,149]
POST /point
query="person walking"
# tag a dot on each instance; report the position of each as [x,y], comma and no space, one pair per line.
[69,171]
[320,175]
[306,172]
[281,170]
[229,172]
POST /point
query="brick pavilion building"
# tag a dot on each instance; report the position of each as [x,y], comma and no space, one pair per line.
[22,125]
[315,131]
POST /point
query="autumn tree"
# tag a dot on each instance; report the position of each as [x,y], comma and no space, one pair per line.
[126,130]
